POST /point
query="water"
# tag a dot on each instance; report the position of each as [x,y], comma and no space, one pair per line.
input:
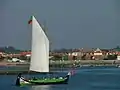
[84,79]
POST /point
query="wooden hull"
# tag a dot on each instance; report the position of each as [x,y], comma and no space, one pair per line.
[47,81]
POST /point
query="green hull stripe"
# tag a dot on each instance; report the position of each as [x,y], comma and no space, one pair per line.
[42,81]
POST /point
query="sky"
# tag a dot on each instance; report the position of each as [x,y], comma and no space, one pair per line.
[69,23]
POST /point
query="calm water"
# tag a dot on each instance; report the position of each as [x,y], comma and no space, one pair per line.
[84,79]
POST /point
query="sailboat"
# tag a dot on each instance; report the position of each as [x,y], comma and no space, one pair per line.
[40,59]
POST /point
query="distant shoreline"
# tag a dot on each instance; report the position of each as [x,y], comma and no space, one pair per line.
[23,67]
[68,62]
[56,70]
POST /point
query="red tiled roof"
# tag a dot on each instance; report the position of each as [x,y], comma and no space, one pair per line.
[25,53]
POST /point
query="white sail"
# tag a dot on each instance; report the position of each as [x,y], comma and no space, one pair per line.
[39,49]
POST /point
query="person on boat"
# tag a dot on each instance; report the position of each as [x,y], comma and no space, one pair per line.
[34,78]
[60,77]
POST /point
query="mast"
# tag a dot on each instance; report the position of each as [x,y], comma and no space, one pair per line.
[45,28]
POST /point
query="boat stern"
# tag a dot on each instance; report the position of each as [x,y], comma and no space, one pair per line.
[21,81]
[18,79]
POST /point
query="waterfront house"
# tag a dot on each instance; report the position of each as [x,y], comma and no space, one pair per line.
[100,54]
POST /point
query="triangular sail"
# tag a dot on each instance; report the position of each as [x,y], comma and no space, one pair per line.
[39,49]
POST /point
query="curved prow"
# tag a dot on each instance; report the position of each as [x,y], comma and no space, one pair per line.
[67,77]
[18,79]
[71,73]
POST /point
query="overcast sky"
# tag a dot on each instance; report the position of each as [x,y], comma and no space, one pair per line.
[70,23]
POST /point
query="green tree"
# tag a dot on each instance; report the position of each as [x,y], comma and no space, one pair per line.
[112,57]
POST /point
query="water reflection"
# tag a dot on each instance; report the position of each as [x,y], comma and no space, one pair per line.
[40,87]
[50,87]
